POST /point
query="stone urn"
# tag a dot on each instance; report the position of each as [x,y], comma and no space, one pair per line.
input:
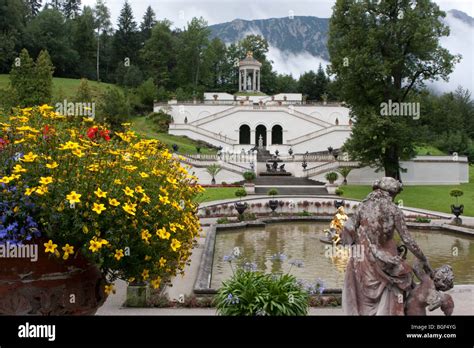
[273,204]
[457,210]
[50,285]
[241,207]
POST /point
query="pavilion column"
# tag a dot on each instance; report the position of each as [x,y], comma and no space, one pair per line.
[240,80]
[254,80]
[245,79]
[259,73]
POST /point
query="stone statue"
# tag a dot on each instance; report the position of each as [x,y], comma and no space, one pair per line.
[260,141]
[378,281]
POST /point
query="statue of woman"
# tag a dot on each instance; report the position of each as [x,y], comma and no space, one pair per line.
[376,280]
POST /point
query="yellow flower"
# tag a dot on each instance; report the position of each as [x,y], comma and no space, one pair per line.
[68,250]
[93,168]
[118,182]
[73,197]
[52,165]
[156,283]
[98,208]
[147,258]
[128,191]
[109,289]
[144,175]
[130,208]
[99,193]
[145,199]
[146,235]
[78,153]
[30,157]
[42,190]
[18,169]
[163,234]
[50,247]
[46,180]
[70,145]
[114,202]
[139,189]
[94,246]
[162,262]
[118,254]
[164,199]
[145,274]
[175,244]
[29,191]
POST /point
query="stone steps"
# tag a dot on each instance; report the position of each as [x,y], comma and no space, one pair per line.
[293,190]
[285,181]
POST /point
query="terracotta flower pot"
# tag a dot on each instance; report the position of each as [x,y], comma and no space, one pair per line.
[50,286]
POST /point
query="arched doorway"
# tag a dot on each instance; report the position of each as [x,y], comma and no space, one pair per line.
[244,135]
[261,131]
[277,135]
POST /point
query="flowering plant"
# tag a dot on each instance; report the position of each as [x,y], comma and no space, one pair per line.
[123,202]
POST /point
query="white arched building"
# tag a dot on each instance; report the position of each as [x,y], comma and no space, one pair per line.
[281,122]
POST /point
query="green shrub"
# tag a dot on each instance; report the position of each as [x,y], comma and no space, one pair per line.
[247,217]
[456,193]
[331,177]
[249,176]
[240,193]
[422,219]
[223,220]
[304,213]
[339,191]
[160,120]
[273,192]
[250,293]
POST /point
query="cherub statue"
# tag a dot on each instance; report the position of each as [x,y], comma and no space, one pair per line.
[336,225]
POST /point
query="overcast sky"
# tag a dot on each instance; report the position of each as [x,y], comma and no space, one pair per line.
[219,11]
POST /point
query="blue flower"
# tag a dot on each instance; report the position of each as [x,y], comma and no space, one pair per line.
[232,299]
[250,267]
[228,258]
[297,263]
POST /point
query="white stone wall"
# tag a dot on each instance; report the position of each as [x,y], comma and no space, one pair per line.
[224,176]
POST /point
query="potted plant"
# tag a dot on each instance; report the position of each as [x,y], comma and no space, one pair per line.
[331,187]
[273,203]
[249,186]
[213,170]
[457,210]
[241,206]
[86,199]
[345,171]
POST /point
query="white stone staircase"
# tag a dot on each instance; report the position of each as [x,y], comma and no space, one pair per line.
[329,166]
[318,133]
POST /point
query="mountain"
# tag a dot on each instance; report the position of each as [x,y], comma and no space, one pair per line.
[462,16]
[293,35]
[296,34]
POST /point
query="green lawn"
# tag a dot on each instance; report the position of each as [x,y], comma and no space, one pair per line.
[62,87]
[217,194]
[433,197]
[186,146]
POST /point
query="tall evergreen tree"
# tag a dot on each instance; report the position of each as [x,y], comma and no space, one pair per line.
[321,83]
[84,40]
[71,8]
[44,78]
[126,40]
[33,7]
[159,54]
[149,21]
[13,15]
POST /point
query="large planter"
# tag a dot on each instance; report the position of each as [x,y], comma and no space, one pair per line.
[241,207]
[273,204]
[457,211]
[331,188]
[249,188]
[50,286]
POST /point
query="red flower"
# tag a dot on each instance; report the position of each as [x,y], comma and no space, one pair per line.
[3,143]
[92,132]
[105,134]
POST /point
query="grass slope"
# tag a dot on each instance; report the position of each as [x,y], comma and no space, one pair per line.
[146,128]
[62,87]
